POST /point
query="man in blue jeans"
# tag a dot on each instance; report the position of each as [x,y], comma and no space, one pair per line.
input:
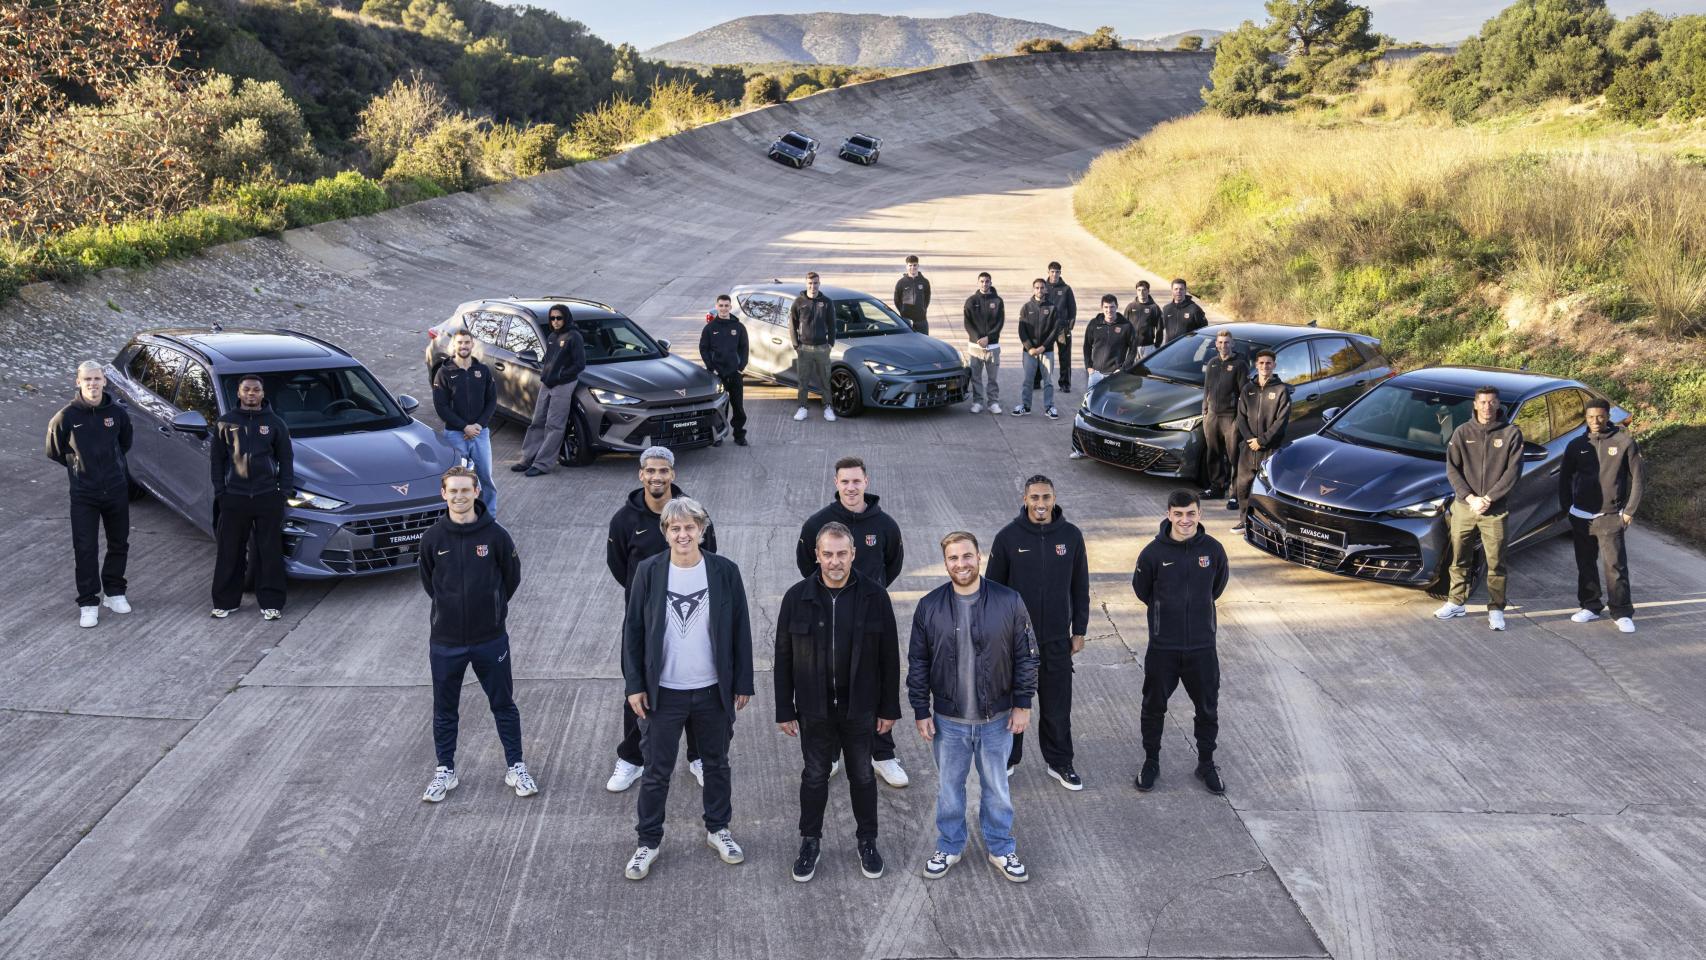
[971,673]
[466,398]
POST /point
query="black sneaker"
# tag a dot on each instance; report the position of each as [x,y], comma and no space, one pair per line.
[1209,774]
[740,441]
[805,865]
[517,467]
[1232,504]
[1146,776]
[1068,777]
[534,472]
[1020,411]
[870,861]
[716,443]
[1212,493]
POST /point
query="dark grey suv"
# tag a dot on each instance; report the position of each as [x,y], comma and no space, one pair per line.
[366,472]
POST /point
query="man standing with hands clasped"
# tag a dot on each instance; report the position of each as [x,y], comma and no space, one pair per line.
[253,472]
[723,348]
[90,437]
[912,296]
[466,399]
[1483,461]
[985,316]
[1264,409]
[1224,376]
[811,328]
[1600,486]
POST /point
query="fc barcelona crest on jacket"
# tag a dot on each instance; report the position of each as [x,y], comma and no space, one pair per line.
[265,430]
[870,539]
[1202,561]
[1060,549]
[481,550]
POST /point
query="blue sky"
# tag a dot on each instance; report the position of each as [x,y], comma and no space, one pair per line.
[647,23]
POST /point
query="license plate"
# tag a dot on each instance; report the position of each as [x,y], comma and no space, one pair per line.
[1331,538]
[401,539]
[938,386]
[1112,443]
[688,424]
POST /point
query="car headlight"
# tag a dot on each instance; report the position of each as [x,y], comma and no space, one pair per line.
[611,398]
[1188,423]
[1084,404]
[721,388]
[315,501]
[1427,508]
[887,369]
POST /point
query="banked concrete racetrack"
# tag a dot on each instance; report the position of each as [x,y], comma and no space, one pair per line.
[177,787]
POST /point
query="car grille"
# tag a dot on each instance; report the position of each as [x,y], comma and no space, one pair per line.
[376,559]
[401,523]
[1400,564]
[1131,454]
[678,429]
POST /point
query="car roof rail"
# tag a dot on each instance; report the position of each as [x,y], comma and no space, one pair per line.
[329,345]
[180,341]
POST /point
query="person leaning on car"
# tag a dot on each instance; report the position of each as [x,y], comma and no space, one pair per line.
[1224,376]
[912,296]
[466,399]
[1483,461]
[565,358]
[1264,409]
[723,350]
[1599,486]
[811,328]
[90,437]
[253,472]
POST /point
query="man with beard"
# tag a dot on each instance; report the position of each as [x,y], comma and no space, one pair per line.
[253,472]
[90,437]
[1224,376]
[1600,488]
[466,399]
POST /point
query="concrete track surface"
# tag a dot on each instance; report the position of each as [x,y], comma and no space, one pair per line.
[176,787]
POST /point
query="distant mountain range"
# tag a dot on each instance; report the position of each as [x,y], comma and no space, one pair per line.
[862,40]
[1171,40]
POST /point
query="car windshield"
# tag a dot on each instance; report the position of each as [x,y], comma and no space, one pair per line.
[615,340]
[796,141]
[1406,419]
[862,141]
[1183,359]
[319,403]
[866,318]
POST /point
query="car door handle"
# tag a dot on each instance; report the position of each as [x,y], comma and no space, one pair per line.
[776,340]
[1359,383]
[1555,471]
[1311,396]
[165,430]
[497,364]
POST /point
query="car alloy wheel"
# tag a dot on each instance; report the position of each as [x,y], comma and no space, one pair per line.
[844,393]
[577,442]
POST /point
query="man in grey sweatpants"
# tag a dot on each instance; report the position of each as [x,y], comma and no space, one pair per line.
[565,358]
[811,323]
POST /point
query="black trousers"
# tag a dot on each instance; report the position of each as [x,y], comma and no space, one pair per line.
[736,387]
[1054,706]
[821,739]
[491,663]
[91,512]
[1599,548]
[632,748]
[1163,671]
[1063,361]
[239,518]
[1220,450]
[1248,461]
[702,712]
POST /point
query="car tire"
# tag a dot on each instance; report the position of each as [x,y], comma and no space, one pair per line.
[577,442]
[846,396]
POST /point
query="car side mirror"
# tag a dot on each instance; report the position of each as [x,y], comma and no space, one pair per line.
[1330,413]
[190,421]
[663,345]
[408,403]
[528,356]
[1533,452]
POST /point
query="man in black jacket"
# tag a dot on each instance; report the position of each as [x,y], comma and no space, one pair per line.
[912,296]
[253,473]
[723,350]
[1181,315]
[470,570]
[1039,326]
[90,437]
[971,674]
[876,537]
[837,674]
[1042,556]
[811,331]
[1599,486]
[565,359]
[636,534]
[466,399]
[1224,376]
[1144,314]
[1264,409]
[686,663]
[1066,317]
[1483,462]
[1110,343]
[985,316]
[1179,576]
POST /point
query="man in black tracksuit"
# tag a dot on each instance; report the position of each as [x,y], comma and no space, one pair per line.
[1144,314]
[1599,486]
[1224,376]
[1110,343]
[1042,556]
[1180,315]
[912,296]
[1179,576]
[837,674]
[90,437]
[723,350]
[253,472]
[470,569]
[1264,409]
[1059,293]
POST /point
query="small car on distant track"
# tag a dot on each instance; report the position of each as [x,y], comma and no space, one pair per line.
[795,149]
[860,148]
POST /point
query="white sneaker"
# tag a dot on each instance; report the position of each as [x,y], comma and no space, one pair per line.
[977,408]
[995,408]
[443,781]
[1075,455]
[1010,867]
[1626,624]
[1496,619]
[623,776]
[518,777]
[1584,615]
[697,768]
[220,613]
[835,767]
[116,604]
[88,616]
[828,415]
[1449,610]
[939,863]
[271,613]
[641,863]
[725,845]
[891,772]
[799,414]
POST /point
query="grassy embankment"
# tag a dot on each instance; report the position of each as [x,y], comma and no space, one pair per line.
[1549,240]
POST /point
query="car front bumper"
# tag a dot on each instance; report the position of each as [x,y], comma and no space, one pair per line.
[914,391]
[632,429]
[357,541]
[1160,453]
[1398,550]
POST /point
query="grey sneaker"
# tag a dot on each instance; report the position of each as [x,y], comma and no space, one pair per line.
[518,777]
[725,845]
[271,613]
[443,781]
[220,613]
[640,863]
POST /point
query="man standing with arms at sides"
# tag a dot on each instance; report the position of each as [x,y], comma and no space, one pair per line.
[1144,314]
[470,569]
[90,437]
[565,358]
[1181,315]
[466,398]
[1042,556]
[811,325]
[1066,316]
[879,558]
[1110,343]
[253,472]
[1179,577]
[723,348]
[1600,487]
[985,316]
[1038,326]
[1224,376]
[1264,409]
[636,535]
[687,662]
[1483,461]
[837,673]
[971,674]
[912,296]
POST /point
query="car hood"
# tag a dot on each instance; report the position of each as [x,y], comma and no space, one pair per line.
[667,379]
[1144,401]
[913,351]
[852,147]
[381,456]
[1354,477]
[788,148]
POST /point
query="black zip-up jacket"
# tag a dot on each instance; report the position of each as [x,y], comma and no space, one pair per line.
[463,396]
[985,316]
[1484,459]
[1179,582]
[91,442]
[1006,649]
[919,290]
[1109,348]
[1048,565]
[1059,293]
[1263,412]
[565,356]
[1178,319]
[730,626]
[1223,384]
[811,321]
[470,570]
[723,346]
[1145,317]
[251,454]
[635,535]
[877,549]
[1039,324]
[1602,473]
[804,665]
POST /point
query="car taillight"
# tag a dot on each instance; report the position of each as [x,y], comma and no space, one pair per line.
[432,333]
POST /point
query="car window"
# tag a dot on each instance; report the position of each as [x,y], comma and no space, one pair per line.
[1183,359]
[1334,356]
[195,391]
[1569,410]
[1535,420]
[323,402]
[1405,419]
[794,141]
[1293,365]
[522,335]
[866,318]
[486,326]
[765,307]
[156,368]
[615,339]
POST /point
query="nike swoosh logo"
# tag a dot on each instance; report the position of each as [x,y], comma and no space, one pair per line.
[443,552]
[502,655]
[1024,549]
[640,533]
[1166,563]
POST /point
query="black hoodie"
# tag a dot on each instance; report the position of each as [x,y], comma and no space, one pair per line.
[463,396]
[985,316]
[912,296]
[251,454]
[1178,319]
[1179,581]
[877,552]
[1484,459]
[1223,383]
[1048,565]
[1602,473]
[1110,347]
[723,346]
[1145,316]
[90,442]
[565,355]
[1039,324]
[470,570]
[635,534]
[1060,294]
[1263,411]
[811,321]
